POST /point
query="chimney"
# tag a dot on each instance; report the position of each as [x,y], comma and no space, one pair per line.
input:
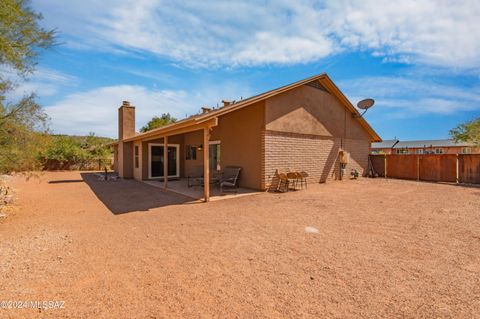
[226,102]
[126,121]
[206,109]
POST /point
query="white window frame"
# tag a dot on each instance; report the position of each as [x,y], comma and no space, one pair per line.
[177,146]
[439,150]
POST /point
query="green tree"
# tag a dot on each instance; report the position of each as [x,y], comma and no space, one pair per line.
[467,132]
[158,122]
[23,123]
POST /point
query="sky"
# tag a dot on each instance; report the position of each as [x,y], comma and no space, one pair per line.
[419,59]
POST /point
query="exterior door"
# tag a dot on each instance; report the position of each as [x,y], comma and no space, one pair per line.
[156,161]
[214,157]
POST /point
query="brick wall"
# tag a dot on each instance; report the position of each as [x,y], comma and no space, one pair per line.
[314,154]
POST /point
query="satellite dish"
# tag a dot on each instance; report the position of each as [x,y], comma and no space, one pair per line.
[365,104]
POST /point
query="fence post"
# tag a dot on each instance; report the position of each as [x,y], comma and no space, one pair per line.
[457,174]
[385,164]
[418,167]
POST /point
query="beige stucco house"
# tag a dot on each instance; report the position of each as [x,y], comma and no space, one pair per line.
[301,126]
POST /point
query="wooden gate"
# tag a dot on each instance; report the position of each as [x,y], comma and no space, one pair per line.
[469,168]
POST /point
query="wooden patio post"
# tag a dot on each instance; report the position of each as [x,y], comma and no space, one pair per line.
[206,164]
[165,162]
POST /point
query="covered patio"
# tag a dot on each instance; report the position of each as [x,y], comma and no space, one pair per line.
[197,192]
[166,156]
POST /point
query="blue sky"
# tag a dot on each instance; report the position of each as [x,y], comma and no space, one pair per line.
[420,60]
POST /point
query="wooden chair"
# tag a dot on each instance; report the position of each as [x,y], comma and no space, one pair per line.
[303,178]
[283,181]
[293,179]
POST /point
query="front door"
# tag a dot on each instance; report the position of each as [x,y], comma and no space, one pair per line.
[156,161]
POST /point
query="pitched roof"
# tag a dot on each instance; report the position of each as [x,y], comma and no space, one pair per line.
[419,144]
[323,78]
[385,144]
[431,143]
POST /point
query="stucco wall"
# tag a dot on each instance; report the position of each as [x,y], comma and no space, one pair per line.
[125,159]
[115,158]
[192,166]
[305,129]
[137,171]
[240,134]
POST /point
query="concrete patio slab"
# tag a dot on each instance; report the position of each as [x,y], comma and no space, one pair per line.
[180,186]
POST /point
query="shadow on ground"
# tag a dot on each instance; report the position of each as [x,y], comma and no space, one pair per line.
[126,196]
[63,181]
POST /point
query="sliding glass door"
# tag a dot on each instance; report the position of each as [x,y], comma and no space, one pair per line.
[156,161]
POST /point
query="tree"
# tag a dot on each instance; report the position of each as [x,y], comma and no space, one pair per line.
[467,132]
[23,123]
[158,122]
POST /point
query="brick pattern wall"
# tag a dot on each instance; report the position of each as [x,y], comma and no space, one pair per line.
[316,155]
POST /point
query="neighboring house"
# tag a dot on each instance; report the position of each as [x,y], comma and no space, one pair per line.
[422,147]
[302,126]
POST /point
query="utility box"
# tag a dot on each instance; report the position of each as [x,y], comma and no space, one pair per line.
[344,157]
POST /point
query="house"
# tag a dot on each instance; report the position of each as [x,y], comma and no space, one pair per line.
[422,147]
[302,126]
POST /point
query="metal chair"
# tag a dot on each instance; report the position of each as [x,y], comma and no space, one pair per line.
[195,177]
[230,177]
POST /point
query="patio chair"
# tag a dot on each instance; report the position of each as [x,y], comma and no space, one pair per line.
[195,177]
[283,181]
[293,179]
[229,178]
[303,178]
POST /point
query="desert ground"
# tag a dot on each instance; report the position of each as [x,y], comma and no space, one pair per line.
[124,249]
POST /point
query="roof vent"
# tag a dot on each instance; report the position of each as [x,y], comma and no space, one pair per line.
[206,109]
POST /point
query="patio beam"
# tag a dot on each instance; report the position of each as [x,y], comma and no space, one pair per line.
[206,164]
[165,162]
[194,127]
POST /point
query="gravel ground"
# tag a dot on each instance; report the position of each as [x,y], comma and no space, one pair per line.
[123,249]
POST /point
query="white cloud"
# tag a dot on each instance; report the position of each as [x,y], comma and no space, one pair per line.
[44,82]
[402,97]
[96,110]
[209,33]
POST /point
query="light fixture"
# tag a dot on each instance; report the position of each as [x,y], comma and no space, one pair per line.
[200,147]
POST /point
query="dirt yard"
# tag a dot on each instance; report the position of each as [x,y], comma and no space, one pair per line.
[384,248]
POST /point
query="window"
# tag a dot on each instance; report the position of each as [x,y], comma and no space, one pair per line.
[419,151]
[136,156]
[402,151]
[439,151]
[191,152]
[467,150]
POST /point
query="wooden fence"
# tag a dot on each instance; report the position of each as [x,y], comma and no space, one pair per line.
[462,168]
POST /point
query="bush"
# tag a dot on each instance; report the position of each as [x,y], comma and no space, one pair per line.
[77,152]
